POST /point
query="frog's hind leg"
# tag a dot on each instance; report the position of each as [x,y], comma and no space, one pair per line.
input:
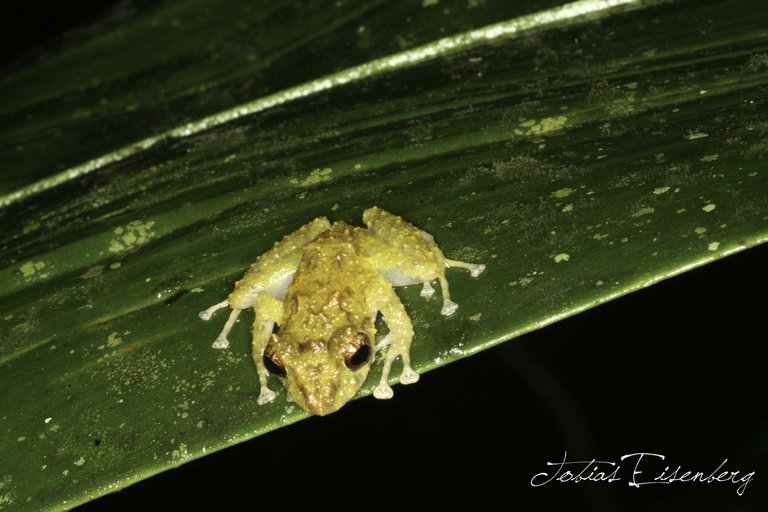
[206,314]
[475,269]
[405,255]
[397,342]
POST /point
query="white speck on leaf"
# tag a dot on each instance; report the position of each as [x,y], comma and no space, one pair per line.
[563,192]
[315,176]
[136,233]
[644,211]
[562,257]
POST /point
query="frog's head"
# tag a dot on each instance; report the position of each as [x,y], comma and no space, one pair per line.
[321,375]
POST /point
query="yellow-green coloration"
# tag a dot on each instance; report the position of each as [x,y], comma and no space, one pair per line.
[114,340]
[696,135]
[324,285]
[546,126]
[563,192]
[134,234]
[6,498]
[315,177]
[647,210]
[32,270]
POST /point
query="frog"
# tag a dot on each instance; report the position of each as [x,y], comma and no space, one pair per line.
[316,295]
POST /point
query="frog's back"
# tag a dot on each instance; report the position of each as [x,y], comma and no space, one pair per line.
[330,281]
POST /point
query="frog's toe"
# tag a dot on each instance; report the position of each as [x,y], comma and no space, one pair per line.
[266,396]
[206,314]
[476,270]
[383,391]
[449,308]
[427,291]
[409,376]
[221,342]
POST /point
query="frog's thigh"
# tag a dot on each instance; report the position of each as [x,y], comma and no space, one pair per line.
[269,311]
[411,255]
[398,339]
[403,253]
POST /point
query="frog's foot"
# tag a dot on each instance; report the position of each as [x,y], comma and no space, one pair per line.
[220,342]
[427,291]
[221,339]
[449,307]
[265,396]
[475,269]
[409,376]
[383,391]
[206,314]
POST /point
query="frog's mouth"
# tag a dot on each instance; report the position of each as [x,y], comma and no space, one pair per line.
[319,398]
[328,394]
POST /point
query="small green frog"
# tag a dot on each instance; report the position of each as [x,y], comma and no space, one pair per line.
[324,285]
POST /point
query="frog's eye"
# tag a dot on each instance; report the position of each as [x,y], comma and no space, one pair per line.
[273,362]
[358,351]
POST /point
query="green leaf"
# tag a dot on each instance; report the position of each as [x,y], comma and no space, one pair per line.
[582,151]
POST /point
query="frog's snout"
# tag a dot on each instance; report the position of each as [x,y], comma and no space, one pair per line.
[321,404]
[319,398]
[323,409]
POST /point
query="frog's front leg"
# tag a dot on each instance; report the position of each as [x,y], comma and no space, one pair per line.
[405,255]
[397,342]
[269,311]
[272,272]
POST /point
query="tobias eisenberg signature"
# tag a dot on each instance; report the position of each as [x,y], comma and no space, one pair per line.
[642,468]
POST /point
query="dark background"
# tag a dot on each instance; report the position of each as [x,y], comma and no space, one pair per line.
[676,369]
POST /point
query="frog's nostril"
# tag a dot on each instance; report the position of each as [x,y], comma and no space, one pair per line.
[312,346]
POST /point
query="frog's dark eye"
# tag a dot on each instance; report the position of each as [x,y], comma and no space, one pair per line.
[273,362]
[358,351]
